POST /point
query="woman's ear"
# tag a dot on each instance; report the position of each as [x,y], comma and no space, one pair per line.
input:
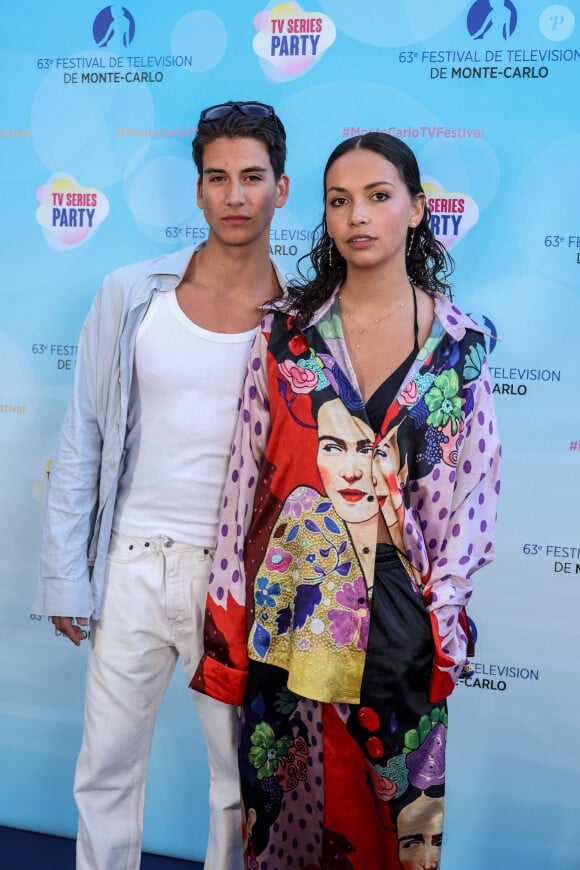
[417,210]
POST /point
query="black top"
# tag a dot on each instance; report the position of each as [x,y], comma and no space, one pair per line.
[377,405]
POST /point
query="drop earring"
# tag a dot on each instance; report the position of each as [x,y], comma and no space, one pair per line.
[411,240]
[330,243]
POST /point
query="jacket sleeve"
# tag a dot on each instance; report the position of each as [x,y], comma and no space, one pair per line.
[64,587]
[467,542]
[222,671]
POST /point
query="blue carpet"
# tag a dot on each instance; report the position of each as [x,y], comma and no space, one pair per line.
[26,850]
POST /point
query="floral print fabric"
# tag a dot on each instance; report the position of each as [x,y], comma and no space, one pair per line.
[432,471]
[324,615]
[351,787]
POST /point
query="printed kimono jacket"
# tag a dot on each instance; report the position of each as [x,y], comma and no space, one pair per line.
[293,569]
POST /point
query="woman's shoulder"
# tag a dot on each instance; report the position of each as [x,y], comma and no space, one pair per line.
[454,321]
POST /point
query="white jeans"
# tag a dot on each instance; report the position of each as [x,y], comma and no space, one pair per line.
[153,612]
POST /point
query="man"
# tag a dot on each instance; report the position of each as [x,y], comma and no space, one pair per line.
[136,486]
[420,833]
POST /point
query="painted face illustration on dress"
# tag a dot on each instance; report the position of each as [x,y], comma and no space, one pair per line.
[386,482]
[344,460]
[419,831]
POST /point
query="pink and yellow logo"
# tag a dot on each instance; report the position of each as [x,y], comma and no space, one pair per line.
[69,213]
[452,214]
[290,41]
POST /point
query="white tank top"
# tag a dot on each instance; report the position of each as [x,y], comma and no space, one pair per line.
[185,391]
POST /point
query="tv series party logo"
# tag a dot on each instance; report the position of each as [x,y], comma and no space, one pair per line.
[68,212]
[290,40]
[453,214]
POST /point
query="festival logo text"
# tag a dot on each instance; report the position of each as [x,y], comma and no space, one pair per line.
[290,41]
[69,213]
[452,214]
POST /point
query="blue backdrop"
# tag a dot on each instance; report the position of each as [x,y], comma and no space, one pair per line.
[97,112]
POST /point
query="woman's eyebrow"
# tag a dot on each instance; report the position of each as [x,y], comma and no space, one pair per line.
[366,187]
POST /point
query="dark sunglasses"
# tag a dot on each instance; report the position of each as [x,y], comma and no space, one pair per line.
[255,110]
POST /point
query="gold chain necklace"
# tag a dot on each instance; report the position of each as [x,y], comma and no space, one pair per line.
[362,330]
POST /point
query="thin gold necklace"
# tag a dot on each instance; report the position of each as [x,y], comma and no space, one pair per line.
[362,330]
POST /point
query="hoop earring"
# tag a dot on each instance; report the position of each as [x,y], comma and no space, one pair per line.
[411,240]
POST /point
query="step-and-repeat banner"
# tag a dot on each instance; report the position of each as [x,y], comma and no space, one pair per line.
[97,111]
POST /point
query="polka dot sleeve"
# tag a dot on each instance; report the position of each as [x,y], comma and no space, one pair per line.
[223,668]
[465,541]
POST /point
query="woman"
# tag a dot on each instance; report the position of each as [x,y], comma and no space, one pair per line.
[361,497]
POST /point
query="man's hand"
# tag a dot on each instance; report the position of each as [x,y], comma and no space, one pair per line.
[66,625]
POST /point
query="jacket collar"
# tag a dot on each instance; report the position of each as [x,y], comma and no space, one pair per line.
[166,271]
[454,321]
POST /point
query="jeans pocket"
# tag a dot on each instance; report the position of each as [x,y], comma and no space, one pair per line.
[126,550]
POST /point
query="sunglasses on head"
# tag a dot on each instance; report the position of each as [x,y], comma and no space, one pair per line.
[253,109]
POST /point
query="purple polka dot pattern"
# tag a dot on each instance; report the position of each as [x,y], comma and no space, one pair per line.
[445,521]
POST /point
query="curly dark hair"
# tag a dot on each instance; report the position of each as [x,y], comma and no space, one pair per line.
[428,263]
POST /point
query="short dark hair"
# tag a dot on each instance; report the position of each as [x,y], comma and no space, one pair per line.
[235,125]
